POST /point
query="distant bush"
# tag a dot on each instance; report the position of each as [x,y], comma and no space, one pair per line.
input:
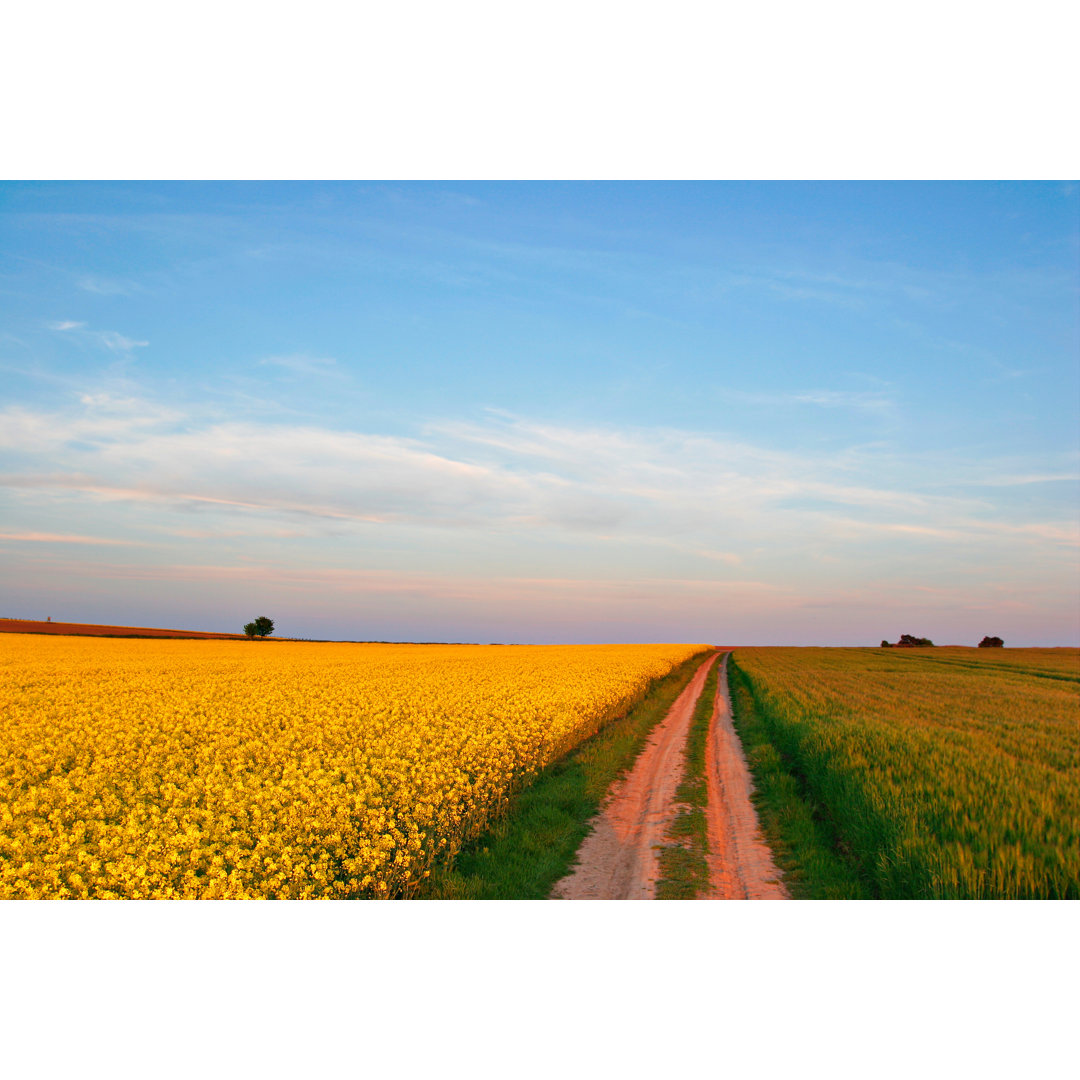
[991,643]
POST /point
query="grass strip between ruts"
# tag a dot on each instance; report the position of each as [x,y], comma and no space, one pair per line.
[684,867]
[523,855]
[804,842]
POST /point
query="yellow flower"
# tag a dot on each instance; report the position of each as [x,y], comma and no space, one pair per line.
[195,769]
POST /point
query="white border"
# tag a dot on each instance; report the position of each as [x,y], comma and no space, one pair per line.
[580,90]
[843,989]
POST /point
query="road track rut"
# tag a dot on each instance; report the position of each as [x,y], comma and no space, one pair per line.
[741,865]
[619,858]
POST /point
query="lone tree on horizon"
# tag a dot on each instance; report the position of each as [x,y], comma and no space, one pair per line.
[261,627]
[991,643]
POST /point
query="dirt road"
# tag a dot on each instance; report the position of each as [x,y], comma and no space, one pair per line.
[740,863]
[618,860]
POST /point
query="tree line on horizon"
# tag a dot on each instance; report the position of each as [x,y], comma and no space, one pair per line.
[909,641]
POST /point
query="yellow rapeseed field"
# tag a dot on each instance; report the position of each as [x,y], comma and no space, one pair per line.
[170,768]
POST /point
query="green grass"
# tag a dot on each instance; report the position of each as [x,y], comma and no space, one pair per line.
[684,869]
[806,844]
[524,854]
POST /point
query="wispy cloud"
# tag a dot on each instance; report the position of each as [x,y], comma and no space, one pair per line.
[107,286]
[303,364]
[634,494]
[57,538]
[111,340]
[104,418]
[1036,478]
[503,591]
[118,343]
[75,484]
[844,399]
[968,530]
[875,401]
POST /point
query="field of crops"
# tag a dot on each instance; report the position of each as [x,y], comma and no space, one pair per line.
[941,773]
[235,769]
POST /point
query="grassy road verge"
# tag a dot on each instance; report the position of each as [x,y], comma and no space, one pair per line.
[684,870]
[523,855]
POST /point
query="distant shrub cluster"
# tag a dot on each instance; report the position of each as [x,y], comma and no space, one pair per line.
[909,641]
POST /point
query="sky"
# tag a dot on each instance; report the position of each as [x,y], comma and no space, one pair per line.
[740,413]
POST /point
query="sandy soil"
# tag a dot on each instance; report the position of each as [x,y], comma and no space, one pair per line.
[618,859]
[740,864]
[28,626]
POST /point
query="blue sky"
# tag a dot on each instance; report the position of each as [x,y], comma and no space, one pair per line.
[731,412]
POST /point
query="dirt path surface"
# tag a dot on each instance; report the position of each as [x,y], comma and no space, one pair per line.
[740,864]
[618,860]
